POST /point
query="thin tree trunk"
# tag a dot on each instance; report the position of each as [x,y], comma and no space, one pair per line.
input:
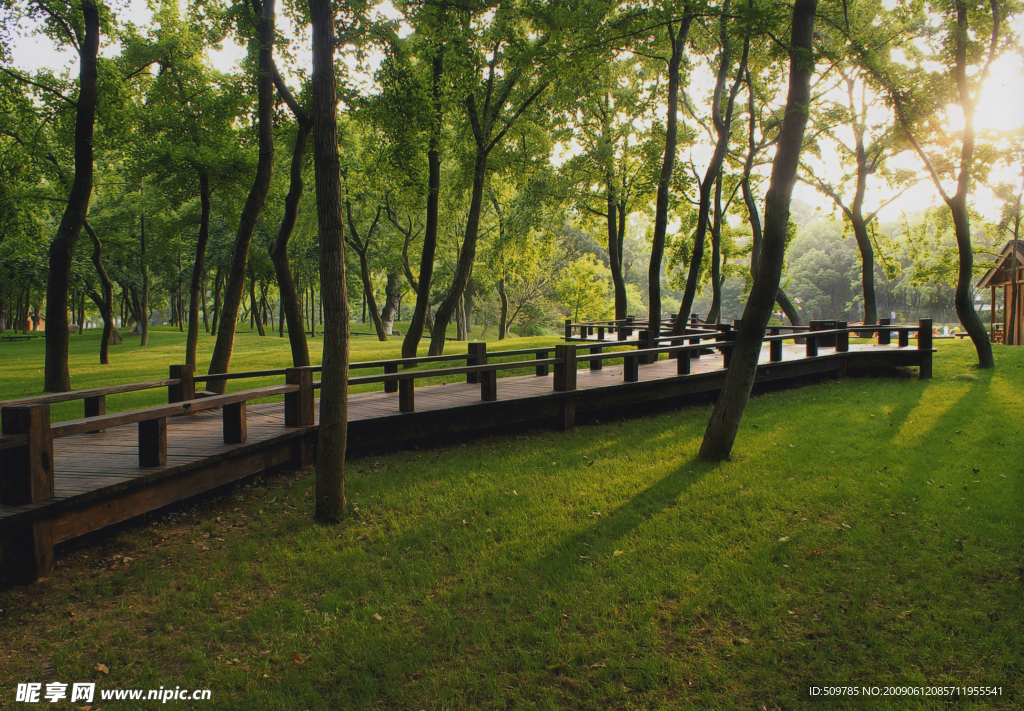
[503,322]
[233,292]
[144,314]
[57,376]
[392,301]
[254,307]
[678,43]
[198,269]
[715,314]
[720,434]
[333,438]
[420,314]
[217,286]
[105,300]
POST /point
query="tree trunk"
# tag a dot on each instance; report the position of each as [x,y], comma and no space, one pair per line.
[144,310]
[678,43]
[616,219]
[57,376]
[420,314]
[198,268]
[715,314]
[467,255]
[460,320]
[3,309]
[392,301]
[221,360]
[503,322]
[104,300]
[254,306]
[720,434]
[290,305]
[330,464]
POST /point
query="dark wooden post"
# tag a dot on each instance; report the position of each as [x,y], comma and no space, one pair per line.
[629,325]
[568,328]
[596,364]
[647,340]
[842,339]
[391,386]
[153,443]
[299,406]
[27,472]
[489,385]
[542,370]
[565,370]
[235,426]
[694,319]
[631,368]
[695,353]
[94,407]
[775,351]
[407,395]
[727,334]
[812,345]
[904,337]
[883,333]
[477,356]
[186,389]
[924,343]
[682,362]
[600,333]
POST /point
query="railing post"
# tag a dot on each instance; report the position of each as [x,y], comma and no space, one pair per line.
[94,407]
[812,345]
[184,390]
[27,474]
[694,320]
[542,370]
[842,339]
[565,370]
[775,349]
[235,426]
[600,333]
[568,328]
[489,385]
[26,478]
[596,364]
[407,395]
[924,343]
[884,337]
[904,337]
[726,334]
[299,406]
[629,325]
[682,362]
[477,356]
[391,386]
[153,443]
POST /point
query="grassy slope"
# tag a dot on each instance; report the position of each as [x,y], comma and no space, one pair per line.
[868,532]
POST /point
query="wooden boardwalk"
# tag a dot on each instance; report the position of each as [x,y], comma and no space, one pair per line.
[98,481]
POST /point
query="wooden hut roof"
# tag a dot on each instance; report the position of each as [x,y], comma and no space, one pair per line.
[999,274]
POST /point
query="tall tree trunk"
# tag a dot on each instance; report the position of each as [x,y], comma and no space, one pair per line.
[678,43]
[715,314]
[503,322]
[290,307]
[392,301]
[144,317]
[254,306]
[725,420]
[330,464]
[420,314]
[198,269]
[57,376]
[723,127]
[616,220]
[221,360]
[104,300]
[3,309]
[467,255]
[362,248]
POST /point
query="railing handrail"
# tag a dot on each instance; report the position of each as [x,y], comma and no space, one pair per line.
[12,441]
[127,417]
[91,392]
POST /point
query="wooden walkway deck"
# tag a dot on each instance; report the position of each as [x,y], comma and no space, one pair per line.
[98,481]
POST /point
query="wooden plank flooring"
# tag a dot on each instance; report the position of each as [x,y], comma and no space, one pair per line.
[92,462]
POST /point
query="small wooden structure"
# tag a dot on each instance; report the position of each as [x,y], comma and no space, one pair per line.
[1009,267]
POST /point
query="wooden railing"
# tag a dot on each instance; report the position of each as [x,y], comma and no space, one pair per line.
[26,475]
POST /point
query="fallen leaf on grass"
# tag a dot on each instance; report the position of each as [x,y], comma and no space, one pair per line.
[377,617]
[296,658]
[103,669]
[616,554]
[599,665]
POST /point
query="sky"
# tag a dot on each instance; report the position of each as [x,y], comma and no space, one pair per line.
[1001,109]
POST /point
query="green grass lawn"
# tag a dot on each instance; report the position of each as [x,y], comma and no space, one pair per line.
[867,533]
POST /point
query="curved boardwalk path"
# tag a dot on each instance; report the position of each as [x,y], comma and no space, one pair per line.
[97,479]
